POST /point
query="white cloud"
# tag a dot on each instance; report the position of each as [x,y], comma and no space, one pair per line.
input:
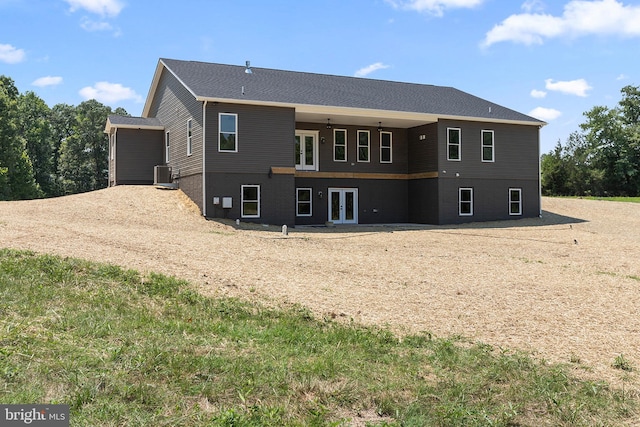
[363,72]
[109,93]
[579,18]
[10,54]
[545,114]
[434,7]
[622,77]
[577,87]
[47,81]
[89,25]
[100,7]
[538,93]
[532,5]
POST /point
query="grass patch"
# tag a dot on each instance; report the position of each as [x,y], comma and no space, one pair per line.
[125,349]
[611,199]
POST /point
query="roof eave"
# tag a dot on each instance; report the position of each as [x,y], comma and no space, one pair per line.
[154,86]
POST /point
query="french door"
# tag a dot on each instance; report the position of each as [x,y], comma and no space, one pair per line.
[343,205]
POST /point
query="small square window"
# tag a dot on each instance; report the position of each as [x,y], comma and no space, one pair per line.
[250,201]
[228,132]
[303,202]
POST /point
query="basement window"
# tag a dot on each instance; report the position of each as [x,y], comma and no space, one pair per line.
[250,201]
[303,202]
[515,201]
[465,201]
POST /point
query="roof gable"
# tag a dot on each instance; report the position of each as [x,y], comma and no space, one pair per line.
[230,83]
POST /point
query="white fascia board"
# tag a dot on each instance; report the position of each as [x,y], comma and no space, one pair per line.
[109,126]
[364,112]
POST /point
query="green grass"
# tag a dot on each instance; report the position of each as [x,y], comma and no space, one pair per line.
[126,349]
[611,199]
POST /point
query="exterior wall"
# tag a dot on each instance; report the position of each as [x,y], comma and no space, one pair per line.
[423,198]
[137,152]
[490,199]
[265,139]
[192,186]
[379,201]
[423,152]
[173,105]
[277,196]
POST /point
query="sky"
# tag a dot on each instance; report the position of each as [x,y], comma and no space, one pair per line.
[553,60]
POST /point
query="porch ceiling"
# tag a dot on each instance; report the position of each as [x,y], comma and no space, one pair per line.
[364,118]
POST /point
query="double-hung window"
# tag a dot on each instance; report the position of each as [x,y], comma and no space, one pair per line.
[465,201]
[339,145]
[487,146]
[515,201]
[228,132]
[453,144]
[303,202]
[250,201]
[166,147]
[363,145]
[386,146]
[189,137]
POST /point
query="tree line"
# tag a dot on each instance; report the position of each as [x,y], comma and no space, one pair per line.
[603,158]
[48,152]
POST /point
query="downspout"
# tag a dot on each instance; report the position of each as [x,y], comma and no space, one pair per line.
[204,158]
[539,174]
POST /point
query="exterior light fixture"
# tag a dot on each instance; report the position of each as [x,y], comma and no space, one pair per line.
[328,123]
[379,126]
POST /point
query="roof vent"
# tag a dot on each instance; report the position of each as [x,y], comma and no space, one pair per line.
[248,68]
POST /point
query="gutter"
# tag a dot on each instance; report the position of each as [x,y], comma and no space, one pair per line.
[204,158]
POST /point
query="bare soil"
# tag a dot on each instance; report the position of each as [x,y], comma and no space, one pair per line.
[564,287]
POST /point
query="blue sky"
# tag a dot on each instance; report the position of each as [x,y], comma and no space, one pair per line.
[553,60]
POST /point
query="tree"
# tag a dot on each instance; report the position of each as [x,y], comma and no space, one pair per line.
[16,171]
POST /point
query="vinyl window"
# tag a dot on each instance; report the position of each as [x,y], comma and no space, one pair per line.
[465,201]
[304,202]
[487,146]
[386,147]
[339,145]
[166,147]
[453,144]
[363,145]
[515,201]
[189,137]
[250,201]
[228,131]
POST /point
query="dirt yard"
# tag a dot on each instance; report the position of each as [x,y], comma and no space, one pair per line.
[565,287]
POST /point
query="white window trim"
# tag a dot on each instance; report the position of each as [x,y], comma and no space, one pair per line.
[242,200]
[368,146]
[390,146]
[493,145]
[167,146]
[460,190]
[189,136]
[316,135]
[345,145]
[519,190]
[220,131]
[310,201]
[459,145]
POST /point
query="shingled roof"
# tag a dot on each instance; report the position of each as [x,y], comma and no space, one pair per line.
[230,83]
[127,122]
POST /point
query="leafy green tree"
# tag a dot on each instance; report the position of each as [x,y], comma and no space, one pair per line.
[16,170]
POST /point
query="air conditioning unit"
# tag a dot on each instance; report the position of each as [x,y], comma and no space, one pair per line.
[162,174]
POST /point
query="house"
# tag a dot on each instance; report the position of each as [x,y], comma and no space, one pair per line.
[296,148]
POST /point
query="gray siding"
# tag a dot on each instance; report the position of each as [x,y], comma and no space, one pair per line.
[137,152]
[192,186]
[173,105]
[277,196]
[423,154]
[379,201]
[423,201]
[265,139]
[516,151]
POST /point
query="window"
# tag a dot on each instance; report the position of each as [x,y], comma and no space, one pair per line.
[189,138]
[515,201]
[386,142]
[465,201]
[363,145]
[250,201]
[306,150]
[228,124]
[303,202]
[453,144]
[487,146]
[166,147]
[339,145]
